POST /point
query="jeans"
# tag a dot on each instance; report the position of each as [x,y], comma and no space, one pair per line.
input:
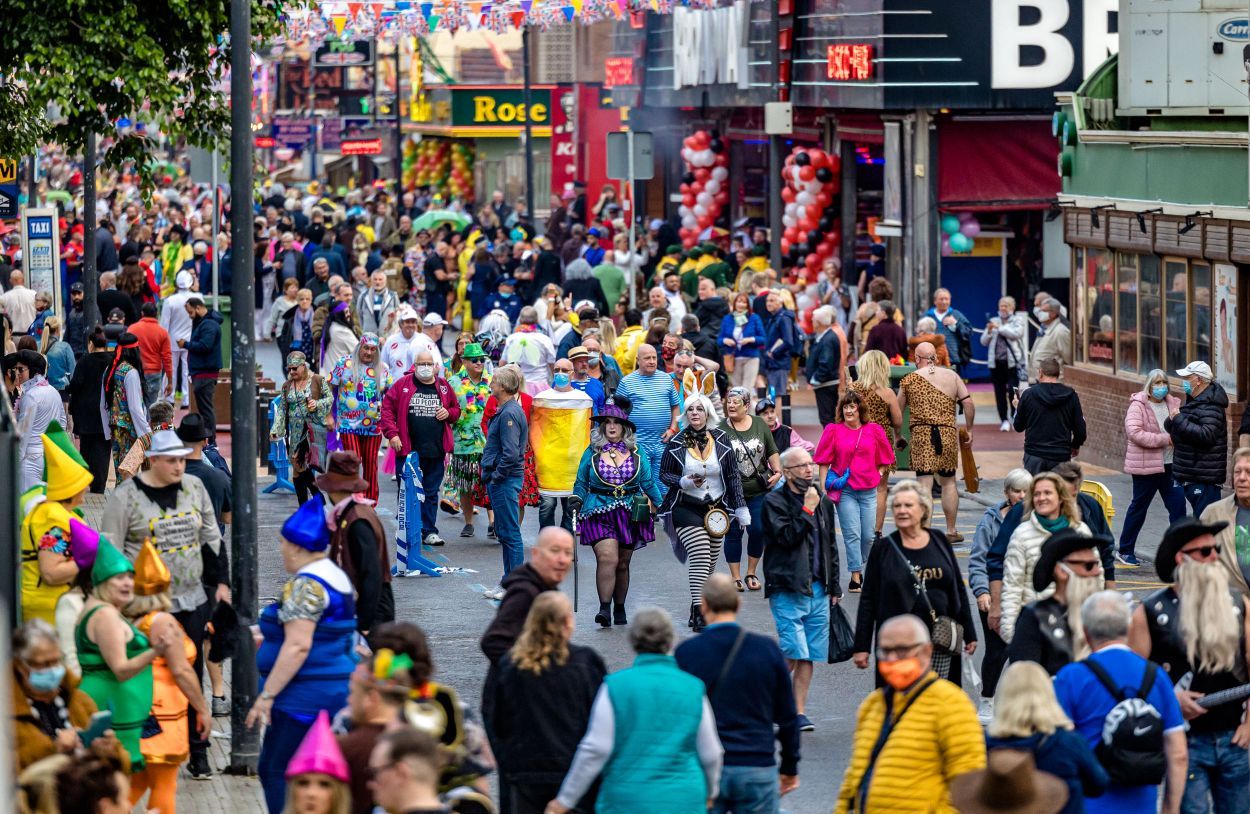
[1201,495]
[282,739]
[778,381]
[1218,771]
[547,513]
[1144,488]
[432,470]
[857,517]
[504,499]
[748,790]
[152,388]
[204,390]
[755,536]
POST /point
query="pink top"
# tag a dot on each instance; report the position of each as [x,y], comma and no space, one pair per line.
[837,449]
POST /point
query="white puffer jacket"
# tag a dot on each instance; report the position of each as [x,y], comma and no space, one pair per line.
[1022,554]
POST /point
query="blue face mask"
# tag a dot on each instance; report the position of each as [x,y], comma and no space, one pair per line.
[1189,388]
[46,680]
[560,380]
[593,360]
[1160,392]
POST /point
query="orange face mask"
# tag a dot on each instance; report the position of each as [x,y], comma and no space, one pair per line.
[902,673]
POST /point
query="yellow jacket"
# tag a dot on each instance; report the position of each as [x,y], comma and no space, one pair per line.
[938,739]
[627,348]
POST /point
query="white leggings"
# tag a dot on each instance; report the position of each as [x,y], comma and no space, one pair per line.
[746,368]
[702,552]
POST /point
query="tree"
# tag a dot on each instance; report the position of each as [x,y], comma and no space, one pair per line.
[96,61]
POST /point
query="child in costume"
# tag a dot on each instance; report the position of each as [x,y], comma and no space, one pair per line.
[318,767]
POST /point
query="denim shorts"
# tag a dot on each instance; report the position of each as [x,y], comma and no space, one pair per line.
[802,624]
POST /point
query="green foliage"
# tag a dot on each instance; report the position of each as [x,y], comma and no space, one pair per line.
[91,62]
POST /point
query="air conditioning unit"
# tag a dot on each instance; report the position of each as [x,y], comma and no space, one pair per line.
[556,55]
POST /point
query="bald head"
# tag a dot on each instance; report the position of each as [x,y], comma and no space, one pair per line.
[720,598]
[926,354]
[552,555]
[907,626]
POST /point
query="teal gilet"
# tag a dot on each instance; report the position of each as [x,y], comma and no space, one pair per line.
[130,700]
[654,765]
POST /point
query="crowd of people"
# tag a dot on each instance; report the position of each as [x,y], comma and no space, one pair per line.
[670,369]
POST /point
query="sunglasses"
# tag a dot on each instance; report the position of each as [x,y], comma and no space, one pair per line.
[1203,551]
[1085,566]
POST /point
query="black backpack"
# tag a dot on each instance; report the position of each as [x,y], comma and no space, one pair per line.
[1131,748]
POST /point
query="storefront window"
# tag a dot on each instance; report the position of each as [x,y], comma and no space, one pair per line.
[1150,313]
[1126,333]
[1098,275]
[1200,319]
[1175,302]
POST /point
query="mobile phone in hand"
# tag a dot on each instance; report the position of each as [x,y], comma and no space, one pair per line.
[101,722]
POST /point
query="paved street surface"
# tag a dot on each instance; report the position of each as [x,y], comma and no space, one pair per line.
[454,613]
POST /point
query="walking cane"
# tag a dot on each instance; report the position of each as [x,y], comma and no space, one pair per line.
[575,505]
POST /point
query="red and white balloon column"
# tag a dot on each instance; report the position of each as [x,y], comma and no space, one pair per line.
[812,183]
[705,186]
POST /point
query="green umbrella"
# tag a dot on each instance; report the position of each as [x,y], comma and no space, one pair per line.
[437,217]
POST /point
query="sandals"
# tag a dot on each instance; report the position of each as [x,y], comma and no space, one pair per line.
[753,582]
[738,584]
[954,537]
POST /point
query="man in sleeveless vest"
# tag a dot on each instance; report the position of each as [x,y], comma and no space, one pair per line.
[357,541]
[1195,629]
[1049,631]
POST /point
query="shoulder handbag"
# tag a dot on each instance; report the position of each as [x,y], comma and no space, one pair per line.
[835,482]
[729,662]
[945,632]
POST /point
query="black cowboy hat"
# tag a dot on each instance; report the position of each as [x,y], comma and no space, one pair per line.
[1175,538]
[1059,545]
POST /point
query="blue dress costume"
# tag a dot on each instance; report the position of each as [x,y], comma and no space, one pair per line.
[323,593]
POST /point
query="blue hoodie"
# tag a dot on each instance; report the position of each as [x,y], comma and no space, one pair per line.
[1066,755]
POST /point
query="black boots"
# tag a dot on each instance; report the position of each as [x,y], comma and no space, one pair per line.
[618,615]
[696,622]
[602,618]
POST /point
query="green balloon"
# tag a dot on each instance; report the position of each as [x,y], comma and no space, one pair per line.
[960,243]
[950,225]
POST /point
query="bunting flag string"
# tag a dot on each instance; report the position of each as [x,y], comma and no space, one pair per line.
[387,19]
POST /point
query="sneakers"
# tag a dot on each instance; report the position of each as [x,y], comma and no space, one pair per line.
[805,723]
[1005,427]
[490,532]
[198,767]
[467,531]
[1127,560]
[495,593]
[856,585]
[433,539]
[221,706]
[985,713]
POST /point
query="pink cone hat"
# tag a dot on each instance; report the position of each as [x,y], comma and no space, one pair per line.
[319,753]
[84,542]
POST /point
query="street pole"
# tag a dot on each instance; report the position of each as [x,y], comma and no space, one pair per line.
[775,160]
[629,251]
[312,112]
[244,741]
[399,126]
[529,141]
[216,251]
[90,274]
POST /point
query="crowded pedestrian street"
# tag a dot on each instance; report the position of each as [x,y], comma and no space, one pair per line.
[605,406]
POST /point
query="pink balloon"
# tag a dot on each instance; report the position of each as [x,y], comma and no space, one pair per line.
[970,228]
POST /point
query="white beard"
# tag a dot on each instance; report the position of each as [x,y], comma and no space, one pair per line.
[1209,622]
[1074,595]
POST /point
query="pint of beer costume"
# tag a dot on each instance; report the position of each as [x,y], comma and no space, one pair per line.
[559,433]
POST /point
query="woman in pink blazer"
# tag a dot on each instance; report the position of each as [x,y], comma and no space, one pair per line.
[1148,458]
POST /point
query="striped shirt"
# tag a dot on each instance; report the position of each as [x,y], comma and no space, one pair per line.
[653,398]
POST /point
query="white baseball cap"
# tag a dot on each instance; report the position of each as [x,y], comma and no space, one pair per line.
[406,312]
[432,320]
[1200,369]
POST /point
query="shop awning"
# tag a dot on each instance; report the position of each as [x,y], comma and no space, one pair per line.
[990,166]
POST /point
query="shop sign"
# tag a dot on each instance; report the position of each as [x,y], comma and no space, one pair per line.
[339,54]
[563,146]
[709,46]
[618,72]
[1224,336]
[41,252]
[361,146]
[335,130]
[1236,29]
[497,107]
[8,188]
[849,62]
[425,110]
[264,142]
[294,134]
